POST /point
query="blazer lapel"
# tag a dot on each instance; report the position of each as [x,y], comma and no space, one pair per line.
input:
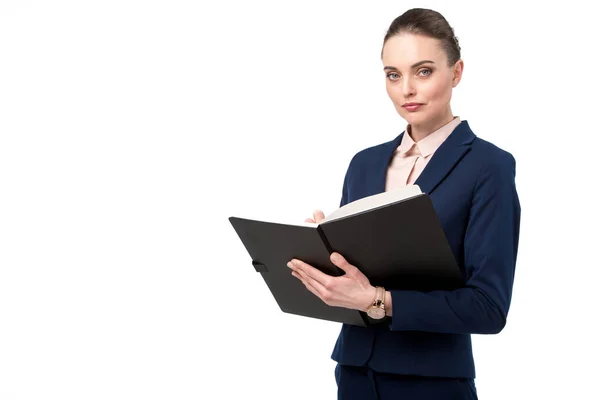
[443,160]
[380,163]
[446,157]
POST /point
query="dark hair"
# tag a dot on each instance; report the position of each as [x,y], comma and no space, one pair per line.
[422,21]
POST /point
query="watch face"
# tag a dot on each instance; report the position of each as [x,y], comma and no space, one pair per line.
[376,313]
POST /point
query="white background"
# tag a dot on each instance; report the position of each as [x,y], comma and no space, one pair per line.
[131,130]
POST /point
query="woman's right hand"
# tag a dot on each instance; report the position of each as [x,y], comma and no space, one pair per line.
[318,216]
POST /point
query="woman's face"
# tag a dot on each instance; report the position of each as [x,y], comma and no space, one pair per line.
[416,70]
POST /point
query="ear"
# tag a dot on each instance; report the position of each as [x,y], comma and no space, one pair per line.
[458,71]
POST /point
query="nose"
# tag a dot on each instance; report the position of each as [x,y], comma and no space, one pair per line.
[408,87]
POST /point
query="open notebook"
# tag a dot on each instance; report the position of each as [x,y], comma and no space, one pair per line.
[394,238]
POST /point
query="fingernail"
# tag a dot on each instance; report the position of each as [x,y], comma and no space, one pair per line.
[335,257]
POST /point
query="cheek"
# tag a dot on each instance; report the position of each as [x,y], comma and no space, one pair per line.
[439,91]
[391,92]
[394,94]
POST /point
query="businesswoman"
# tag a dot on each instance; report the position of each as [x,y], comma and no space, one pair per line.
[421,347]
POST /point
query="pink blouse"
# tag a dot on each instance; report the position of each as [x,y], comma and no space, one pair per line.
[410,158]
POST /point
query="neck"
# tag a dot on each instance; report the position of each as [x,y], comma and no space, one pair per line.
[419,132]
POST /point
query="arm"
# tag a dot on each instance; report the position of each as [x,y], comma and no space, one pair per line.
[490,246]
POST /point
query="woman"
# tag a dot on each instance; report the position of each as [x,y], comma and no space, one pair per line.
[422,347]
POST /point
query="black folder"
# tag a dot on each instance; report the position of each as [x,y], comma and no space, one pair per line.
[394,238]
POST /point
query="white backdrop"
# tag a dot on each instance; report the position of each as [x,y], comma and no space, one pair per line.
[131,130]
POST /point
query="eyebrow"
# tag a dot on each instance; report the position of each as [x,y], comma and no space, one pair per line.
[415,65]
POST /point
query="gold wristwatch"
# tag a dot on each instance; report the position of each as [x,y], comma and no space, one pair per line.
[377,309]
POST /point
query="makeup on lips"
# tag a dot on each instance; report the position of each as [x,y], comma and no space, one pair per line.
[412,106]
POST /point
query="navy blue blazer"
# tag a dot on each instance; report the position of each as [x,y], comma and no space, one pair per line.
[471,183]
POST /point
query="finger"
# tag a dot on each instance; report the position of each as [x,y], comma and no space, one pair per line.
[318,216]
[341,262]
[313,286]
[311,271]
[318,286]
[309,220]
[308,287]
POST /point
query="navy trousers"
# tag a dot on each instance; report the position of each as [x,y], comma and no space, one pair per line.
[362,383]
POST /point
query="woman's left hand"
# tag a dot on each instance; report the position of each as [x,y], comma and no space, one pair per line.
[351,290]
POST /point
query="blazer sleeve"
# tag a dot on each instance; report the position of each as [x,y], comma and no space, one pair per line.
[490,253]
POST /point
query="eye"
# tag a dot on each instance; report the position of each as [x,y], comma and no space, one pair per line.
[425,70]
[392,76]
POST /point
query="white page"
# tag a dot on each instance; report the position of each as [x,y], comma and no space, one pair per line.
[374,201]
[355,207]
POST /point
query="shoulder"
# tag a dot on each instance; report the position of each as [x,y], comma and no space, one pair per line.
[372,155]
[490,154]
[492,159]
[494,168]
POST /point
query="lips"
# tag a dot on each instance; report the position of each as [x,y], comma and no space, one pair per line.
[412,106]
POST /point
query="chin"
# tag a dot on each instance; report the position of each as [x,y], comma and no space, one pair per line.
[414,118]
